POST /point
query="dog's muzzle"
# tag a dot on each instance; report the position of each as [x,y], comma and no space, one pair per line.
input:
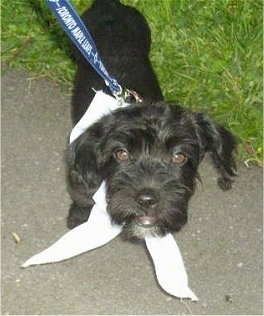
[146,221]
[147,200]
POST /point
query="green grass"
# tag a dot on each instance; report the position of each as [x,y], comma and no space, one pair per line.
[207,55]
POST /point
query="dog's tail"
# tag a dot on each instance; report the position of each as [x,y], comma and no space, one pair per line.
[106,5]
[106,2]
[111,21]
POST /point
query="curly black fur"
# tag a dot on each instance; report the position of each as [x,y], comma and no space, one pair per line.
[148,153]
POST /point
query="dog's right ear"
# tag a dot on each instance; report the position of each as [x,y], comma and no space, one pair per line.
[82,170]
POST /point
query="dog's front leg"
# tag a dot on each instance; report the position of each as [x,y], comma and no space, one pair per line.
[77,215]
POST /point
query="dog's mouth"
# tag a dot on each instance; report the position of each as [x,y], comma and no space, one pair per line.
[145,221]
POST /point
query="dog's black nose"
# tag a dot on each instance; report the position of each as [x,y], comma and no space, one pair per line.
[147,199]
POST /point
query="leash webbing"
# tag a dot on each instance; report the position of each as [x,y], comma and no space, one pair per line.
[80,36]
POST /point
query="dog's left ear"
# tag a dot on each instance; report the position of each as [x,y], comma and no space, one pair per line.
[221,145]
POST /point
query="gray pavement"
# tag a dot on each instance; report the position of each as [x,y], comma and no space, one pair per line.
[221,244]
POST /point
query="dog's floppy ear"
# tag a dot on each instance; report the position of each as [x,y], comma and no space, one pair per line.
[221,145]
[82,170]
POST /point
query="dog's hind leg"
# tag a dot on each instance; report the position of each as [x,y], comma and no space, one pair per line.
[77,215]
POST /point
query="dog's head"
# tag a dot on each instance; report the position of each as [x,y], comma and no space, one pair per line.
[148,156]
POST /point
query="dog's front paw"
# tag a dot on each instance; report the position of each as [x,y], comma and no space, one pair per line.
[77,215]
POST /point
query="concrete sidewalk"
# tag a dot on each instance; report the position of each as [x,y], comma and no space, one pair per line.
[221,244]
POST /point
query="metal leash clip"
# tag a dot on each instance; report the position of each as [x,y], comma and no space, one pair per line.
[129,96]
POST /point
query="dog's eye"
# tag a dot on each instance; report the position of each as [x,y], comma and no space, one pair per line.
[122,155]
[178,159]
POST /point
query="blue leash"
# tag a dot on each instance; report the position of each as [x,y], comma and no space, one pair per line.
[76,30]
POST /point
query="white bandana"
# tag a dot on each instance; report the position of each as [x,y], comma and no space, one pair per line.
[99,230]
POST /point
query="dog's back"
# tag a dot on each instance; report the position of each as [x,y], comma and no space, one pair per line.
[122,37]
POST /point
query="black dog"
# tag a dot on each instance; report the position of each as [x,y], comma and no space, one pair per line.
[147,153]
